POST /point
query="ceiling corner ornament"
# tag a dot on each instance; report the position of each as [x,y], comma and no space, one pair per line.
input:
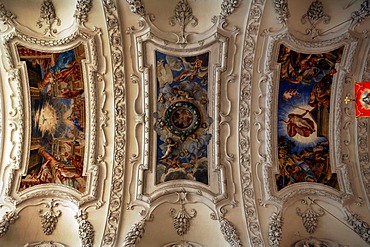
[6,220]
[312,241]
[182,243]
[135,234]
[359,226]
[310,216]
[281,8]
[45,244]
[118,169]
[5,15]
[314,15]
[47,18]
[275,231]
[183,16]
[49,219]
[181,219]
[136,7]
[253,23]
[230,233]
[83,8]
[228,7]
[86,230]
[359,16]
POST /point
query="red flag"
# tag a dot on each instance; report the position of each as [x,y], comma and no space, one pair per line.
[362,92]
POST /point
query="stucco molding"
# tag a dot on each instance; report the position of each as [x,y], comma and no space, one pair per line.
[312,241]
[182,243]
[363,127]
[45,244]
[229,232]
[359,226]
[357,17]
[310,216]
[86,230]
[249,55]
[135,234]
[113,216]
[340,120]
[314,15]
[228,7]
[275,231]
[83,8]
[7,219]
[143,190]
[49,219]
[282,9]
[17,123]
[48,18]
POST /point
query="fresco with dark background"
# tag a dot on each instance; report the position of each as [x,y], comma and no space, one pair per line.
[182,122]
[303,117]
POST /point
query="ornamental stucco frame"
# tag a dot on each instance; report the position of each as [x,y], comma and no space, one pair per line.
[340,136]
[16,119]
[220,44]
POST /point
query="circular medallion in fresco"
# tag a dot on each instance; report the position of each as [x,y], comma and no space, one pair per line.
[182,118]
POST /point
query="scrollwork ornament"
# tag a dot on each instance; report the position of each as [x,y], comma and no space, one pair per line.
[49,17]
[310,216]
[228,7]
[86,230]
[359,226]
[230,233]
[118,171]
[5,15]
[183,16]
[281,8]
[49,219]
[83,8]
[8,218]
[181,219]
[360,15]
[314,15]
[275,229]
[135,234]
[136,7]
[247,73]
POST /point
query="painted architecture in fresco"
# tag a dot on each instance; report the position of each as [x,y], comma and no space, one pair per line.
[303,114]
[182,122]
[58,117]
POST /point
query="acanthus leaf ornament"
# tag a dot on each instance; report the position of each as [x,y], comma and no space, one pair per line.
[48,17]
[181,219]
[310,216]
[228,7]
[83,7]
[136,7]
[135,234]
[49,219]
[86,230]
[5,15]
[359,226]
[183,16]
[7,219]
[281,8]
[275,231]
[229,232]
[360,15]
[314,15]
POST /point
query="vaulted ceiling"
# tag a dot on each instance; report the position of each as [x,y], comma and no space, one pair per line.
[184,123]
